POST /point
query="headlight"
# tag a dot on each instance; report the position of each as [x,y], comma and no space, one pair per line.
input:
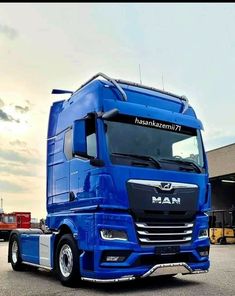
[110,234]
[203,233]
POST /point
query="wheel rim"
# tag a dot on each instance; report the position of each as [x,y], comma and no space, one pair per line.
[66,260]
[14,252]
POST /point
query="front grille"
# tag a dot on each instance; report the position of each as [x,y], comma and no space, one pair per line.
[164,233]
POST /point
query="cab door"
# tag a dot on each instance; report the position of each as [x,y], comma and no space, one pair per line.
[82,173]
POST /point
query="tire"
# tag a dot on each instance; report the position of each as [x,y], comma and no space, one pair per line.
[222,241]
[67,261]
[14,250]
[6,238]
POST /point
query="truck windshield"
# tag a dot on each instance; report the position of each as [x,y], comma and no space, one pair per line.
[159,145]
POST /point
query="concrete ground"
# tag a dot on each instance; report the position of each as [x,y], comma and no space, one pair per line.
[219,281]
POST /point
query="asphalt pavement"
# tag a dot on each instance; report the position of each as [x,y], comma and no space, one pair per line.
[219,281]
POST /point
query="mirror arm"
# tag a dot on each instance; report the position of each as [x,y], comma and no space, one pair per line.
[97,162]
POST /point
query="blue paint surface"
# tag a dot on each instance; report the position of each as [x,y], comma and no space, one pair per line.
[30,248]
[100,193]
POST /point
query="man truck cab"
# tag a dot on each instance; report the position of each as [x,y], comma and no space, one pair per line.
[127,187]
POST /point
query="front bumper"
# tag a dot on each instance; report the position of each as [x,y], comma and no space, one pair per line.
[141,260]
[157,270]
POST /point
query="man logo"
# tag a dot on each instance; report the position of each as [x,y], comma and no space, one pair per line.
[166,200]
[165,186]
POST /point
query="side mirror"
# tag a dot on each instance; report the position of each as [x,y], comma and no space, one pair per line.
[79,138]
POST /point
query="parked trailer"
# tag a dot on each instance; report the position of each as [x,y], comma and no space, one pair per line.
[127,187]
[11,221]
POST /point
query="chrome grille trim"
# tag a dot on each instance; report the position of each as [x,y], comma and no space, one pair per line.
[147,240]
[156,233]
[144,225]
[158,184]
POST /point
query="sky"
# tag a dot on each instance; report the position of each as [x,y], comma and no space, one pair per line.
[190,48]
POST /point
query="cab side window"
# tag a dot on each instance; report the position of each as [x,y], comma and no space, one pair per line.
[68,144]
[91,138]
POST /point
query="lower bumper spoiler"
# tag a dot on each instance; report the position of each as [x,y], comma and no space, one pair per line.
[159,269]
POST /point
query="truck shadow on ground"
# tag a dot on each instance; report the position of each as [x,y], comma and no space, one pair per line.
[148,284]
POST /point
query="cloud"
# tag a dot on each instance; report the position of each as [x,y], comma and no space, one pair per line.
[6,117]
[9,32]
[13,156]
[24,158]
[8,186]
[6,169]
[1,103]
[29,103]
[18,143]
[22,109]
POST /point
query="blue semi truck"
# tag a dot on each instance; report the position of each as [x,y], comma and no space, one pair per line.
[127,187]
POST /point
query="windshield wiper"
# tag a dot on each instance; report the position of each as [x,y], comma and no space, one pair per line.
[141,157]
[181,161]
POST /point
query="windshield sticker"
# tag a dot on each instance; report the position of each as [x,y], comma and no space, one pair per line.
[153,123]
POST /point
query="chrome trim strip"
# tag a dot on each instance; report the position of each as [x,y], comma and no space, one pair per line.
[165,233]
[37,265]
[180,267]
[200,271]
[158,184]
[122,279]
[144,225]
[146,240]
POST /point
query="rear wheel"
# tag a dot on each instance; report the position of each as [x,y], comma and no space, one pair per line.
[67,261]
[222,240]
[15,258]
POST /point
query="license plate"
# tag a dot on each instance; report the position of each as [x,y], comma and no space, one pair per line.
[167,250]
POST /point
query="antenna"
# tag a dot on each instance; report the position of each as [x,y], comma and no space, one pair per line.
[1,203]
[140,74]
[162,82]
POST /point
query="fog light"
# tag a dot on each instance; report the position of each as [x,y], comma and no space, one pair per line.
[203,233]
[203,251]
[109,234]
[115,258]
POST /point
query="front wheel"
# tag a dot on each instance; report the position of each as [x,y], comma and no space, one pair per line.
[67,261]
[15,258]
